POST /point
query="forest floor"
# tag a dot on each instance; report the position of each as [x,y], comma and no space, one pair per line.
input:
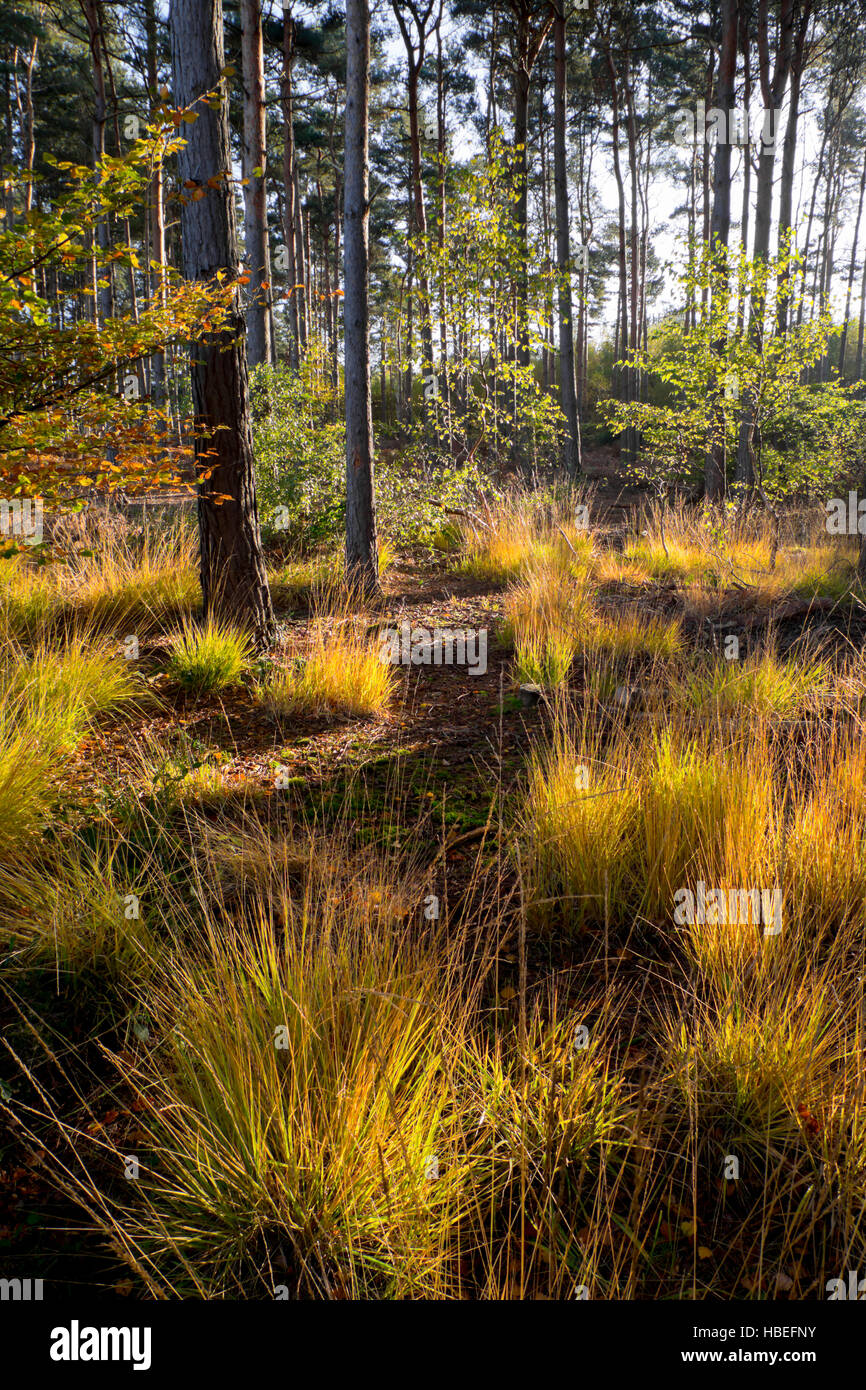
[445,779]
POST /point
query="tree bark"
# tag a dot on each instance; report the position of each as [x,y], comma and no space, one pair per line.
[259,347]
[441,157]
[233,579]
[789,155]
[155,204]
[852,266]
[567,388]
[287,103]
[362,558]
[528,44]
[102,305]
[773,93]
[415,48]
[720,226]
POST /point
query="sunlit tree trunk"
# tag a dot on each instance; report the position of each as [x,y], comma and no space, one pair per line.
[259,348]
[720,225]
[234,583]
[362,559]
[568,393]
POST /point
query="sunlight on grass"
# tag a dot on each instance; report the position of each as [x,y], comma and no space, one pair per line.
[56,693]
[545,661]
[342,673]
[761,684]
[318,581]
[517,537]
[115,583]
[48,701]
[625,635]
[137,587]
[208,659]
[317,1085]
[623,832]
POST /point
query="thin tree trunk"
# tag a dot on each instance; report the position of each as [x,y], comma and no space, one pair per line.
[720,226]
[852,266]
[102,306]
[28,134]
[287,105]
[622,378]
[858,366]
[746,50]
[441,156]
[362,558]
[304,261]
[255,194]
[568,393]
[234,583]
[789,154]
[155,205]
[415,49]
[773,93]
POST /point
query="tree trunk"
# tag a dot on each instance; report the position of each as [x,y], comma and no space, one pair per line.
[622,377]
[102,306]
[362,558]
[415,48]
[155,204]
[287,103]
[746,50]
[233,579]
[441,157]
[773,93]
[858,365]
[255,197]
[720,226]
[789,157]
[28,136]
[852,266]
[303,259]
[568,392]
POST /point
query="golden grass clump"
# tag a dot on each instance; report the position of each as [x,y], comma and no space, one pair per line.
[343,673]
[118,582]
[209,658]
[761,683]
[519,534]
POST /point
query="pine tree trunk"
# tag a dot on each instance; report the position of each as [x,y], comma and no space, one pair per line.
[233,579]
[852,267]
[720,225]
[255,198]
[773,93]
[287,102]
[102,306]
[362,559]
[155,204]
[789,156]
[568,393]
